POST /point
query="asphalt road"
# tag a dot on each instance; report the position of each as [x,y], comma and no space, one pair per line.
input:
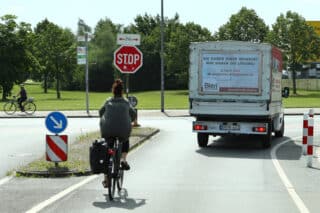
[171,174]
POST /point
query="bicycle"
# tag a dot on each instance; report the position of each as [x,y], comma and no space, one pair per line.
[114,172]
[12,105]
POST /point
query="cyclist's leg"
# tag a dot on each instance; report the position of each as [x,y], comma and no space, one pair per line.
[125,150]
[23,103]
[19,100]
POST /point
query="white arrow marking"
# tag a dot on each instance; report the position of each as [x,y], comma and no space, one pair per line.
[58,125]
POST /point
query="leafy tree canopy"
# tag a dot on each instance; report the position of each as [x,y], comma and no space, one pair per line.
[16,55]
[246,25]
[298,41]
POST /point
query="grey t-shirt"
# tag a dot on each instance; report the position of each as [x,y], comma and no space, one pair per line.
[116,116]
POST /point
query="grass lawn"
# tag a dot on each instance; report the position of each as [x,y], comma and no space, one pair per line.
[178,99]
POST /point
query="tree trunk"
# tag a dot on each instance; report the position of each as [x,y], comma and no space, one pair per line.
[45,83]
[4,97]
[294,81]
[58,87]
[6,91]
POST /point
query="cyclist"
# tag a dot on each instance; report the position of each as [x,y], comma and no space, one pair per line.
[116,116]
[22,96]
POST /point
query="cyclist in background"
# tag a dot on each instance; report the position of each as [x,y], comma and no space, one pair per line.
[22,96]
[116,116]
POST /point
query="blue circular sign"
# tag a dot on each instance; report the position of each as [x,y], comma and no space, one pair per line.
[56,122]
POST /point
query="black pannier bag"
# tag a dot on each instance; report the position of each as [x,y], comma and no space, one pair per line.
[98,156]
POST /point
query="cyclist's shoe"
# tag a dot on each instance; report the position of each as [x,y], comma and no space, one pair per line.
[125,165]
[105,184]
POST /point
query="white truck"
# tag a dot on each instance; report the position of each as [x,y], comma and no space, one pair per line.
[235,88]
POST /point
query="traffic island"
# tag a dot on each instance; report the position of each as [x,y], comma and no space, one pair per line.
[78,156]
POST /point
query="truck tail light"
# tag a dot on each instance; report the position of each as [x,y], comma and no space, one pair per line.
[260,129]
[200,127]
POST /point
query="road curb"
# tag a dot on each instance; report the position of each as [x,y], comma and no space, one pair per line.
[68,173]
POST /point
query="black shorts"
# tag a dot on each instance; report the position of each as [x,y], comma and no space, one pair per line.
[125,143]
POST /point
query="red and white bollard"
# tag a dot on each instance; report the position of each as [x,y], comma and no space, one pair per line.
[311,113]
[310,142]
[305,134]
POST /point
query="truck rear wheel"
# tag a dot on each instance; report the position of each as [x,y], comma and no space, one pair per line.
[203,139]
[280,133]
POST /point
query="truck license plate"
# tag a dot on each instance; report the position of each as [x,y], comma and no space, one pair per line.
[229,126]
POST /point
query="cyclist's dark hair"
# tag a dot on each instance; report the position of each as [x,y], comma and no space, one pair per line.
[117,88]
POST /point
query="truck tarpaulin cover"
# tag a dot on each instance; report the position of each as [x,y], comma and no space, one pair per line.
[229,72]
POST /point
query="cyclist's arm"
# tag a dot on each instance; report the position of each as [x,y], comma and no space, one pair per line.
[101,111]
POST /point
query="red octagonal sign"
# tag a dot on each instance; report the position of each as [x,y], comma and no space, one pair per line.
[128,59]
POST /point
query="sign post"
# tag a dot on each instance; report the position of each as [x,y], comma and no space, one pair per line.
[56,145]
[82,59]
[128,58]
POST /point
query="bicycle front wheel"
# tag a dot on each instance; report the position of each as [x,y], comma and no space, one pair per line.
[30,108]
[120,180]
[112,177]
[9,108]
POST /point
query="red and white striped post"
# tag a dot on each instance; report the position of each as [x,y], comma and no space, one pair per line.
[56,148]
[305,134]
[310,142]
[311,113]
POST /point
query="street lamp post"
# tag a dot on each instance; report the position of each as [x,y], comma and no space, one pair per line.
[87,75]
[162,59]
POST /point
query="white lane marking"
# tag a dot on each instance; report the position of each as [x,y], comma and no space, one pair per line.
[285,180]
[61,194]
[4,180]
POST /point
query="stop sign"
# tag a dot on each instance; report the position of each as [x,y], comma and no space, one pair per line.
[127,59]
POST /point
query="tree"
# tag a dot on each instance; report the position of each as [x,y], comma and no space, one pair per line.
[42,53]
[177,56]
[102,46]
[243,26]
[56,48]
[298,41]
[149,29]
[16,58]
[177,40]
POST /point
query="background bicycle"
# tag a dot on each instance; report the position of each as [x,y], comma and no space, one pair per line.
[12,106]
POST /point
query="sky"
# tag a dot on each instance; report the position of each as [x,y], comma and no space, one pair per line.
[208,13]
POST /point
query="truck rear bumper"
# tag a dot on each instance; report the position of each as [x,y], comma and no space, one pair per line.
[235,118]
[234,127]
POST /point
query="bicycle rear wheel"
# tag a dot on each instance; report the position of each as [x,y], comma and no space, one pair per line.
[30,108]
[9,108]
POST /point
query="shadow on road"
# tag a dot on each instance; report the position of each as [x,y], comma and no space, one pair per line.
[250,147]
[123,201]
